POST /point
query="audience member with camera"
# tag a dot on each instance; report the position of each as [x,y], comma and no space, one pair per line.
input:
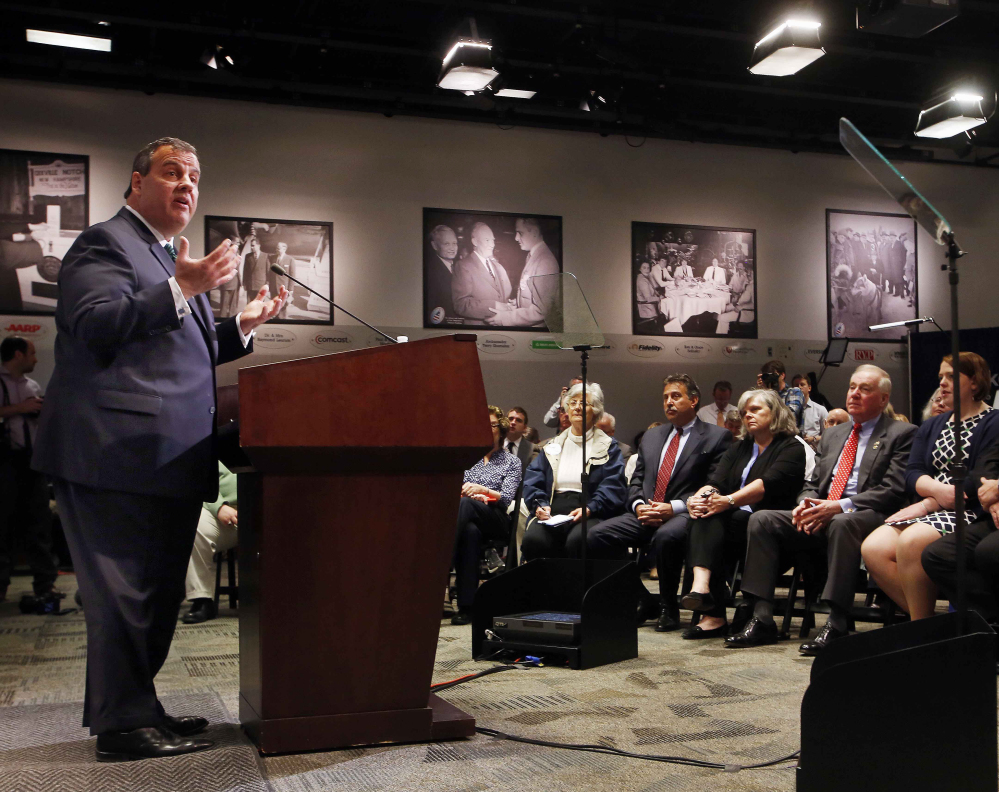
[893,553]
[764,470]
[773,376]
[859,478]
[552,484]
[488,489]
[24,493]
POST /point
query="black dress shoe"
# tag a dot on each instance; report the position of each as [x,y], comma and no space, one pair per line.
[185,725]
[648,609]
[147,743]
[668,620]
[743,613]
[202,610]
[755,633]
[462,617]
[817,644]
[695,632]
[696,601]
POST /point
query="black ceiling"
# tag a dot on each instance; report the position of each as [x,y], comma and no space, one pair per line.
[668,68]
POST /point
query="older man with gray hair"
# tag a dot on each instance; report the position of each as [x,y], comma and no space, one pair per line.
[858,479]
[480,284]
[439,271]
[529,305]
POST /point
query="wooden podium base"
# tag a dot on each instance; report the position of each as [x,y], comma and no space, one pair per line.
[437,721]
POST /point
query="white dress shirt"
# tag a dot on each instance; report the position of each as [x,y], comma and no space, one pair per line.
[813,419]
[709,413]
[679,506]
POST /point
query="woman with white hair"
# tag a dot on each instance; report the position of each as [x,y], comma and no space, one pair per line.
[552,483]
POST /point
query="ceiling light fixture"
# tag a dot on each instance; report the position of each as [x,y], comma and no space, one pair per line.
[217,58]
[56,39]
[788,48]
[515,93]
[958,113]
[467,67]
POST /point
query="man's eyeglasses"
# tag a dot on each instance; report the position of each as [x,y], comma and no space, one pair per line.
[578,403]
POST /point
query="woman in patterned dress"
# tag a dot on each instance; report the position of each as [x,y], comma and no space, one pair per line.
[893,552]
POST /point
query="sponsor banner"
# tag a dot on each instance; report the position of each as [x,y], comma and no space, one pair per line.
[609,348]
[646,347]
[544,346]
[273,338]
[863,354]
[814,353]
[493,344]
[694,350]
[58,179]
[899,355]
[331,340]
[743,352]
[27,329]
[377,340]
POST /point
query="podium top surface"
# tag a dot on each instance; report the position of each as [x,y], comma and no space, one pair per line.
[422,394]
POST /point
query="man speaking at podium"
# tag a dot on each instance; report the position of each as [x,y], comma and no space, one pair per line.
[128,436]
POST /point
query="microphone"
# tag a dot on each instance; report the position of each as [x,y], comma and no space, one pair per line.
[279,270]
[905,323]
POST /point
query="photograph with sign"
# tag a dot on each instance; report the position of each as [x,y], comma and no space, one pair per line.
[304,250]
[693,281]
[870,274]
[477,268]
[44,205]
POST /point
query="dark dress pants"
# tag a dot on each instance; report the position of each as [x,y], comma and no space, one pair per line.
[981,574]
[772,543]
[24,511]
[477,523]
[130,553]
[557,541]
[712,540]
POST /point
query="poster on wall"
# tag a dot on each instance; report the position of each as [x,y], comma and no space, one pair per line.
[303,249]
[870,273]
[477,268]
[693,281]
[44,206]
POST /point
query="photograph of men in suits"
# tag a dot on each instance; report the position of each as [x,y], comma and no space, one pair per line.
[480,284]
[439,271]
[229,291]
[276,282]
[128,436]
[255,269]
[674,461]
[533,298]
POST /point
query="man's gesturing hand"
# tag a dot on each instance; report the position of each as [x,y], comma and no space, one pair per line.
[197,276]
[260,309]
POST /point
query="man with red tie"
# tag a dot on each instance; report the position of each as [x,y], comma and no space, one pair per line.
[858,479]
[674,461]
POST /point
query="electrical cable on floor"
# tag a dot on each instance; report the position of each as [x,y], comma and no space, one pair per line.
[603,749]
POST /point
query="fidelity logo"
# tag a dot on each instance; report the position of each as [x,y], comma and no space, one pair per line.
[330,339]
[25,329]
[496,344]
[274,338]
[646,348]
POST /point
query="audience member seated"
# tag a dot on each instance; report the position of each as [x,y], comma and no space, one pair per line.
[608,425]
[935,406]
[813,417]
[764,470]
[981,573]
[552,484]
[893,553]
[773,375]
[836,417]
[715,412]
[629,466]
[733,422]
[674,461]
[532,435]
[555,413]
[514,442]
[859,478]
[489,488]
[216,534]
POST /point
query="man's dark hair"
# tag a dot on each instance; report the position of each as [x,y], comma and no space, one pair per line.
[10,346]
[520,410]
[773,367]
[796,377]
[693,392]
[723,384]
[144,159]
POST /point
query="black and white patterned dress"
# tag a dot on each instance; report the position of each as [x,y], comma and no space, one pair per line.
[943,453]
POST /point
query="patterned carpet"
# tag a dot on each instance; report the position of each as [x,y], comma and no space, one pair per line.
[691,699]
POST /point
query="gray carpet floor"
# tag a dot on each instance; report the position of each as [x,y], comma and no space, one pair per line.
[679,698]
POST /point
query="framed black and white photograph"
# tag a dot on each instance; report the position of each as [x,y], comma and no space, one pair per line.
[44,206]
[477,268]
[692,280]
[870,273]
[303,249]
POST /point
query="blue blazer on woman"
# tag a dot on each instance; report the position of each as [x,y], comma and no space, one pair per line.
[607,487]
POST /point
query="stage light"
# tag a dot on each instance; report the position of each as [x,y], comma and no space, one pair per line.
[217,58]
[788,48]
[55,39]
[467,67]
[592,101]
[959,113]
[515,93]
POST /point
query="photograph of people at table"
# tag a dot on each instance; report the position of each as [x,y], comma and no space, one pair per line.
[693,280]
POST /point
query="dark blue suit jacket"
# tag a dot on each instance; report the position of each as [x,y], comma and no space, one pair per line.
[131,404]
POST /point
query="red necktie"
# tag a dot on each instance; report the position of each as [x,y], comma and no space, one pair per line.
[666,469]
[846,463]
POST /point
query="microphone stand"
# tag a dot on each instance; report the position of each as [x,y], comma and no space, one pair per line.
[584,479]
[279,270]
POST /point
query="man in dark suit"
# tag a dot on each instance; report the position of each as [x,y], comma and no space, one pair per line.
[674,461]
[857,481]
[515,442]
[277,282]
[533,298]
[440,269]
[128,437]
[480,282]
[255,269]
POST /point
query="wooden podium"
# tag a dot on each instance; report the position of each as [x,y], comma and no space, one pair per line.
[346,529]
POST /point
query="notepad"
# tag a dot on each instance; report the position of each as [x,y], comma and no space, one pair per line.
[556,519]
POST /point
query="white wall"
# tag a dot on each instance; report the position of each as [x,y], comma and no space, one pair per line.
[372,176]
